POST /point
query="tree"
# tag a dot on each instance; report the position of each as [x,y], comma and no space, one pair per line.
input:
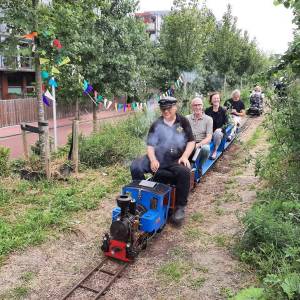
[184,36]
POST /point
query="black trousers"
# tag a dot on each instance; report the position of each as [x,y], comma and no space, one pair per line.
[180,176]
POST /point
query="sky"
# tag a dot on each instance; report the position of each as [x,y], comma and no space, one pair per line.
[270,25]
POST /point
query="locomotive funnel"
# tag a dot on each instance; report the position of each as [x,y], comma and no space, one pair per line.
[123,202]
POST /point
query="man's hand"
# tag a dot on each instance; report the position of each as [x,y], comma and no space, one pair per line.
[154,165]
[234,112]
[185,161]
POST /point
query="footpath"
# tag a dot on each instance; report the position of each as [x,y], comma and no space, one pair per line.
[11,137]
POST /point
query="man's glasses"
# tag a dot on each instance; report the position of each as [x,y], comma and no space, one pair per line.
[194,105]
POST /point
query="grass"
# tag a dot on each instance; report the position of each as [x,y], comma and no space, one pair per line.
[256,136]
[221,240]
[192,233]
[219,211]
[197,217]
[226,292]
[182,270]
[30,212]
[173,271]
[197,282]
[22,290]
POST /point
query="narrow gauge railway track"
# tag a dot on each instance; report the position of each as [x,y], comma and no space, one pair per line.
[106,272]
[88,284]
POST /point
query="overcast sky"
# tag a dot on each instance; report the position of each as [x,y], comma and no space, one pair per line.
[270,25]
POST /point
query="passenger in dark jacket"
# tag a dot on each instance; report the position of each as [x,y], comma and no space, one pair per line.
[220,119]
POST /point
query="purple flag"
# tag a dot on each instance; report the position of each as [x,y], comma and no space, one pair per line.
[45,100]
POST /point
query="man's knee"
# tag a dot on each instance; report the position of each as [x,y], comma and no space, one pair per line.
[138,168]
[183,173]
[218,135]
[205,150]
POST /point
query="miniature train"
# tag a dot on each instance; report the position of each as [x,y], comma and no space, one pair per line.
[143,209]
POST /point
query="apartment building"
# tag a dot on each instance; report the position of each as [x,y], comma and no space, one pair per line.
[153,21]
[16,73]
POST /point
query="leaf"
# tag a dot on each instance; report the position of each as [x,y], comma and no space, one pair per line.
[250,294]
[291,285]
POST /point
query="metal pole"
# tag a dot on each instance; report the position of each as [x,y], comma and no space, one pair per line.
[54,117]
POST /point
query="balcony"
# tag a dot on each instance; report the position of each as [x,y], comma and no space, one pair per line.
[16,63]
[150,27]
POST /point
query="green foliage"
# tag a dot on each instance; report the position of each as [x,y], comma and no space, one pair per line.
[4,161]
[173,271]
[250,294]
[184,36]
[43,207]
[116,143]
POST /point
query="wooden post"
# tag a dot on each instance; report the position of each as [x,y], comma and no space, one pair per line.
[25,145]
[75,155]
[94,117]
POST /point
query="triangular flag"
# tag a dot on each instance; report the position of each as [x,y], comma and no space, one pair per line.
[48,95]
[116,106]
[44,61]
[30,36]
[65,61]
[85,85]
[109,104]
[55,70]
[45,100]
[56,43]
[52,82]
[105,102]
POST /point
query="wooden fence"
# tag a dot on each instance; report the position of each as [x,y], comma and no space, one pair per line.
[16,111]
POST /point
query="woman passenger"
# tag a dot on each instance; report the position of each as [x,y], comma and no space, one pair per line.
[220,119]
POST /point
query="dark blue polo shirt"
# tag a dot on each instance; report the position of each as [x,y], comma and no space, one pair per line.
[169,142]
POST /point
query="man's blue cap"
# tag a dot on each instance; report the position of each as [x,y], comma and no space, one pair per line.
[167,102]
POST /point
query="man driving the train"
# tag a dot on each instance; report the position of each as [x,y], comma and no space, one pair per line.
[170,143]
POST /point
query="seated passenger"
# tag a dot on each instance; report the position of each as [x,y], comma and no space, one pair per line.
[170,143]
[202,127]
[220,120]
[236,108]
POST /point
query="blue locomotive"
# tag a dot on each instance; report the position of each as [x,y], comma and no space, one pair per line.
[143,209]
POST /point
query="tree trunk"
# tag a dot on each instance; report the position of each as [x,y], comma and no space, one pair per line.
[185,100]
[75,155]
[43,136]
[224,87]
[94,117]
[77,115]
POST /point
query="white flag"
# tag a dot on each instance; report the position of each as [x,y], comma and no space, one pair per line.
[109,104]
[48,95]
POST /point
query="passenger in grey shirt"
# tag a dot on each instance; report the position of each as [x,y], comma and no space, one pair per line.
[202,127]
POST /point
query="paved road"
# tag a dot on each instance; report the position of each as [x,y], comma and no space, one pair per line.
[10,137]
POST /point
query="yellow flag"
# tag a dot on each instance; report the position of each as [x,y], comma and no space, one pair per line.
[43,61]
[65,61]
[55,70]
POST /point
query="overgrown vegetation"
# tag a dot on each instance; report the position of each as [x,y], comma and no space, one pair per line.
[271,241]
[116,143]
[4,163]
[31,211]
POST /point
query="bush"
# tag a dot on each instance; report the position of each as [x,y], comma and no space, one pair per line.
[271,241]
[4,161]
[116,143]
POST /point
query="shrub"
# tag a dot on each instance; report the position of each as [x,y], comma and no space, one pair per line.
[4,161]
[116,143]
